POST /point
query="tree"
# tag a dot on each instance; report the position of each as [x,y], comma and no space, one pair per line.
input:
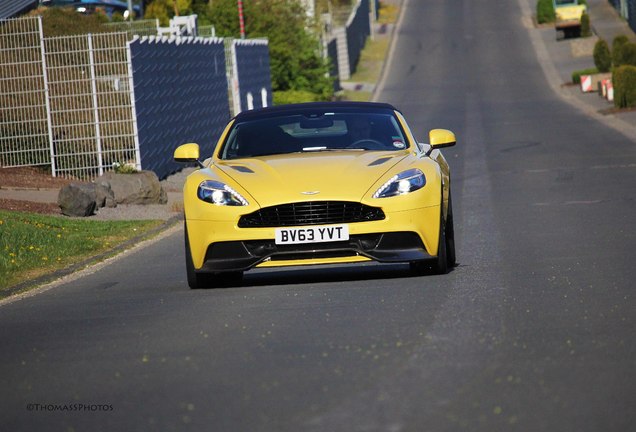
[295,58]
[163,10]
[202,9]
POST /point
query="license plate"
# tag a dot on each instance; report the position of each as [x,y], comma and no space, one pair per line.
[315,234]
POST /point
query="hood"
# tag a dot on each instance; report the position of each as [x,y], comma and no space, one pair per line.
[341,175]
[568,13]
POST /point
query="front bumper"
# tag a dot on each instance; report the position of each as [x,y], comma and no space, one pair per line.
[243,255]
[403,236]
[567,23]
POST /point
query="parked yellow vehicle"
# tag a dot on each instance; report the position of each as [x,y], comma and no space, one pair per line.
[568,17]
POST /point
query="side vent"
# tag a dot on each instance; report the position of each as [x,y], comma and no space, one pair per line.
[241,168]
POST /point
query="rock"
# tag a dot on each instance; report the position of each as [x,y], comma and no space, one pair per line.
[77,199]
[105,197]
[136,188]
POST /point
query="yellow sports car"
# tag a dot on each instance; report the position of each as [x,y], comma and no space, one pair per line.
[317,183]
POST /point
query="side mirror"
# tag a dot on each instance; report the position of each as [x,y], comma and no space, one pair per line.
[440,138]
[188,153]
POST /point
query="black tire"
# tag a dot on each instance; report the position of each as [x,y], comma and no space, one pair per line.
[195,280]
[438,265]
[451,256]
[441,262]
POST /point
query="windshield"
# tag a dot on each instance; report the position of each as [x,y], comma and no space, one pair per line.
[330,131]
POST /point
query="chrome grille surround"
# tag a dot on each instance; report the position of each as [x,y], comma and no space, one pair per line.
[311,213]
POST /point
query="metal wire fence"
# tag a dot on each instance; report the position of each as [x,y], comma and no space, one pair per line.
[68,102]
[147,27]
[90,102]
[24,122]
[65,101]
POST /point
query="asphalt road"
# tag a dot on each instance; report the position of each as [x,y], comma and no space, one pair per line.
[533,331]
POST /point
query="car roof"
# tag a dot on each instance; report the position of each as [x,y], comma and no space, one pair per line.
[313,107]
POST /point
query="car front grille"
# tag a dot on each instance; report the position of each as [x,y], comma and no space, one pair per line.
[311,213]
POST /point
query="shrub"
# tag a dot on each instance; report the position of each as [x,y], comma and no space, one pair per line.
[65,21]
[624,80]
[586,30]
[629,54]
[576,75]
[294,96]
[617,50]
[602,56]
[124,168]
[545,11]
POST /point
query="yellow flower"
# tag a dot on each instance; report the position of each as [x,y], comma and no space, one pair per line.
[45,258]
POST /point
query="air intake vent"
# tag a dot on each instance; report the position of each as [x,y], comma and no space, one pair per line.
[311,213]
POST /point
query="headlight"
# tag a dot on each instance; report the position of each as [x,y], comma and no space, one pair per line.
[402,183]
[218,193]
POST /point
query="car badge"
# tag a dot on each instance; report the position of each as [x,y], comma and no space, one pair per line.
[310,192]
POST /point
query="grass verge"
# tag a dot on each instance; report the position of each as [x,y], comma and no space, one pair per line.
[388,13]
[32,245]
[357,96]
[371,60]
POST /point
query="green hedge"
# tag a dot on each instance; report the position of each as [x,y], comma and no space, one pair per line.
[617,49]
[294,96]
[545,12]
[57,21]
[586,28]
[624,81]
[629,54]
[576,75]
[602,56]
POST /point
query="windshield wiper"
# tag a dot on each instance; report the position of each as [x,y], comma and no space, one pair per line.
[323,148]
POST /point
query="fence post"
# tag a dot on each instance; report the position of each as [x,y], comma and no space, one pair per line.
[232,76]
[133,108]
[372,15]
[47,96]
[344,67]
[98,138]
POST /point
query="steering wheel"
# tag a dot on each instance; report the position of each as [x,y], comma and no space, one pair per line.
[374,144]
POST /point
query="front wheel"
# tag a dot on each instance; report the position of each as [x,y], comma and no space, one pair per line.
[440,264]
[451,257]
